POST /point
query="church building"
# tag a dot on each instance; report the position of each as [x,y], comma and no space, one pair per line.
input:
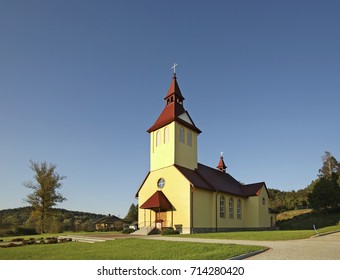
[183,194]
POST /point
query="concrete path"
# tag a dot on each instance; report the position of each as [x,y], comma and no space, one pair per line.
[325,247]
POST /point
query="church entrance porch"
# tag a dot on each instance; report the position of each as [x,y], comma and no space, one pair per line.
[161,212]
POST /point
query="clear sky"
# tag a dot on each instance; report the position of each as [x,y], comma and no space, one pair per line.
[81,82]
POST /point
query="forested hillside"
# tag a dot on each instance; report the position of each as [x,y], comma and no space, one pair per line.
[19,221]
[288,200]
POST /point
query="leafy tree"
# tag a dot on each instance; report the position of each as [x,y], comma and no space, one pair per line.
[325,195]
[45,194]
[330,165]
[132,215]
[325,191]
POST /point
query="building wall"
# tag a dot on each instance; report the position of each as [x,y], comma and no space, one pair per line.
[176,189]
[167,149]
[203,209]
[257,215]
[228,221]
[264,215]
[162,150]
[186,153]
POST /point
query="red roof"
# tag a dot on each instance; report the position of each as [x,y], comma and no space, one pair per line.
[158,202]
[211,179]
[173,109]
[174,89]
[221,165]
[254,189]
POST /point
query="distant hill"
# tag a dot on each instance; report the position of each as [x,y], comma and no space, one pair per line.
[64,220]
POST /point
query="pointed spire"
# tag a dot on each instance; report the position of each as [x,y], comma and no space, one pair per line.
[173,109]
[221,165]
[174,92]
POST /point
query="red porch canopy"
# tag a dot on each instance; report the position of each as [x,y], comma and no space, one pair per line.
[157,202]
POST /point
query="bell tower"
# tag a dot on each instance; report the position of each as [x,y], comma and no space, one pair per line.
[173,137]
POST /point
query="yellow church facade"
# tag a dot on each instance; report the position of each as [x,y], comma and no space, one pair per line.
[182,194]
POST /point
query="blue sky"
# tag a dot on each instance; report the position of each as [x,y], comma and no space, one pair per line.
[82,81]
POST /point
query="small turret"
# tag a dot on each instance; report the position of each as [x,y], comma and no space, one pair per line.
[221,165]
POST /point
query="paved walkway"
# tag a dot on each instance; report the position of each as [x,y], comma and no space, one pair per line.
[325,247]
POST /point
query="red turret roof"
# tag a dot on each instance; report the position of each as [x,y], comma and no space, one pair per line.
[173,109]
[221,165]
[174,89]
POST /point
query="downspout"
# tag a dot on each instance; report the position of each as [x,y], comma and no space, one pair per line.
[192,208]
[216,216]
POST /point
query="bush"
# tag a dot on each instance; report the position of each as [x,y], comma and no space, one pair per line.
[169,232]
[64,240]
[24,231]
[18,240]
[128,230]
[51,240]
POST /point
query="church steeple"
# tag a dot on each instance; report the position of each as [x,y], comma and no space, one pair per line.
[173,136]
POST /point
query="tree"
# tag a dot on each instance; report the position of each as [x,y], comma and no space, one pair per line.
[45,194]
[132,215]
[330,165]
[325,191]
[325,195]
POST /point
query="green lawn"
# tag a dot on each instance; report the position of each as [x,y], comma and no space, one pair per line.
[262,235]
[126,249]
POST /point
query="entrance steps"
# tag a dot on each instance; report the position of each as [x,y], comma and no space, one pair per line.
[146,231]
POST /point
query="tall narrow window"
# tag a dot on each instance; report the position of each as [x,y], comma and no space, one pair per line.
[166,135]
[231,208]
[239,209]
[222,207]
[158,138]
[181,135]
[189,138]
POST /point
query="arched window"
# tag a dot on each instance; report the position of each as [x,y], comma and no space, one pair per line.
[222,207]
[239,209]
[158,138]
[181,135]
[189,138]
[231,208]
[166,135]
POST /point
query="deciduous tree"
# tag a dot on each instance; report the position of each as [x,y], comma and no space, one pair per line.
[45,194]
[330,165]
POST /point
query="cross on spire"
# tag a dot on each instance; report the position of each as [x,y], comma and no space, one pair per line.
[174,67]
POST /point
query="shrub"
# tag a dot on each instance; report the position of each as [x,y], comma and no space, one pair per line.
[51,240]
[169,232]
[64,240]
[24,231]
[128,230]
[29,242]
[18,240]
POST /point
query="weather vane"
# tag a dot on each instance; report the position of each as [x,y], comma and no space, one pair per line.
[174,67]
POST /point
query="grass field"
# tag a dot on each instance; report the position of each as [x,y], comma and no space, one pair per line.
[141,249]
[126,249]
[263,235]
